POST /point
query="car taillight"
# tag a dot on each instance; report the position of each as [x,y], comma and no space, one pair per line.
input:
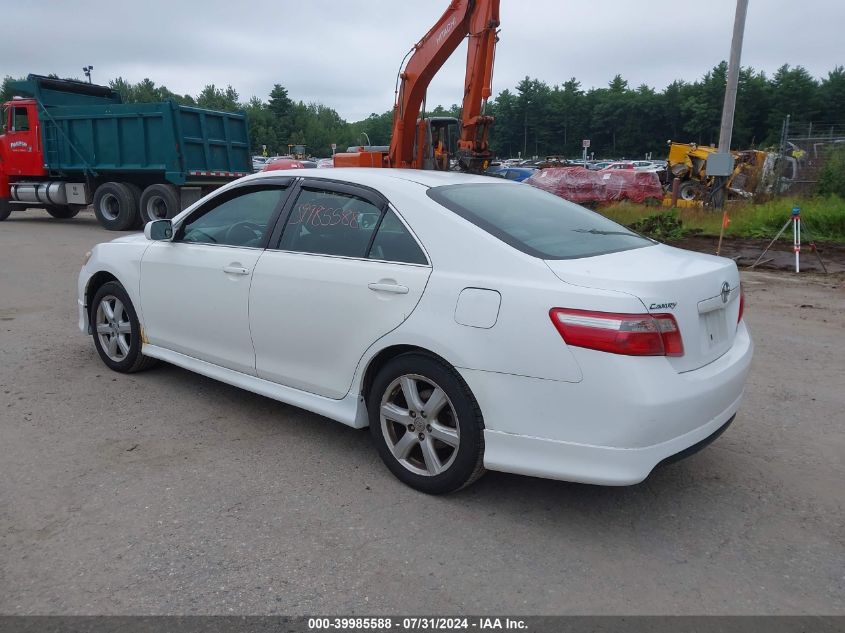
[741,305]
[628,334]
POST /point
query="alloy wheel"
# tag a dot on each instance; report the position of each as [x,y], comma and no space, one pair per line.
[114,329]
[420,425]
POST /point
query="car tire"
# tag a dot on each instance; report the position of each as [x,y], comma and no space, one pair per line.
[116,330]
[426,424]
[159,202]
[116,206]
[63,212]
[5,208]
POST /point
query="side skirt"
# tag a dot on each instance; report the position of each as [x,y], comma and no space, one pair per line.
[350,410]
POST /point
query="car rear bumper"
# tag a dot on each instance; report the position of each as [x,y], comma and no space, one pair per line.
[600,465]
[616,425]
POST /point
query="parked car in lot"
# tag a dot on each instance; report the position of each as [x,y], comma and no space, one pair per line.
[618,165]
[277,164]
[466,332]
[517,174]
[258,162]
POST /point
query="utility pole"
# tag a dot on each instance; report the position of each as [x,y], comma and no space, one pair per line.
[525,129]
[726,130]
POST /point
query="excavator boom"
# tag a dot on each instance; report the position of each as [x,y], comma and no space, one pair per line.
[412,144]
[477,18]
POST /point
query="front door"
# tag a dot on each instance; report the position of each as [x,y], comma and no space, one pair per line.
[22,146]
[195,289]
[344,272]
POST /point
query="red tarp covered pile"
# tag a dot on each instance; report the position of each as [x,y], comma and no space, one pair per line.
[580,185]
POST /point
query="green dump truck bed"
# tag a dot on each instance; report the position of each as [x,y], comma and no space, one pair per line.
[87,130]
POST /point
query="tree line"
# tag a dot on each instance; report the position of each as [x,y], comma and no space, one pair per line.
[538,119]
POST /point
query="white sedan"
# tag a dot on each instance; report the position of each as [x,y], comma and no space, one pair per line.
[470,322]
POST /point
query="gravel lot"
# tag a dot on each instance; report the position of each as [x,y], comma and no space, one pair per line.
[168,493]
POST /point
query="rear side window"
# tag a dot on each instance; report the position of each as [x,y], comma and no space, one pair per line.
[330,223]
[393,243]
[536,222]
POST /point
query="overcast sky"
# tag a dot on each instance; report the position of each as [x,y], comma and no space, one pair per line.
[345,53]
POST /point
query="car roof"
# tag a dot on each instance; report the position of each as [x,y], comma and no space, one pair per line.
[375,176]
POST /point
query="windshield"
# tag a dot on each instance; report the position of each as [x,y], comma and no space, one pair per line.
[536,222]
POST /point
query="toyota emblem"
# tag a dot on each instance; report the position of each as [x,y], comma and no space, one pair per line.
[726,292]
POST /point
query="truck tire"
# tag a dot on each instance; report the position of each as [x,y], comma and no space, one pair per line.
[5,208]
[159,202]
[63,212]
[115,206]
[136,193]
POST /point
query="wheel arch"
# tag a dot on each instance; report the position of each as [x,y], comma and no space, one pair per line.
[384,356]
[95,282]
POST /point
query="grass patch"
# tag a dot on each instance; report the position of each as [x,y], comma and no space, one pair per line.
[822,217]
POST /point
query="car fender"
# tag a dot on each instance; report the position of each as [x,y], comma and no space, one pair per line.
[121,259]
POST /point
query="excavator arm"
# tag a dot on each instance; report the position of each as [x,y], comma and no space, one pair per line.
[479,19]
[413,143]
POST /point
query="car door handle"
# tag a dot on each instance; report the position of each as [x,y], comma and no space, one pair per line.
[235,270]
[394,288]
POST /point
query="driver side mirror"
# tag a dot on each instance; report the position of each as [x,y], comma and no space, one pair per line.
[159,230]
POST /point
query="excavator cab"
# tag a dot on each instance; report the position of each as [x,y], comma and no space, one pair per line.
[437,142]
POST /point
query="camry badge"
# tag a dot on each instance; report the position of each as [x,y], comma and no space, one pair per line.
[726,292]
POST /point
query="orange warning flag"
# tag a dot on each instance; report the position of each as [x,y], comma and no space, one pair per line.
[725,219]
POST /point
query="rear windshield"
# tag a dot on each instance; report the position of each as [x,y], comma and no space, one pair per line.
[537,222]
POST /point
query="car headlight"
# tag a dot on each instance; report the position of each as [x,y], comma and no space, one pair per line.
[86,257]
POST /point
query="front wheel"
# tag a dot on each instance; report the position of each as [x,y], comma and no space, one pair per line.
[63,212]
[426,424]
[5,208]
[116,330]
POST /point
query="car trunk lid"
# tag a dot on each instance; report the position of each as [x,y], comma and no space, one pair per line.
[700,291]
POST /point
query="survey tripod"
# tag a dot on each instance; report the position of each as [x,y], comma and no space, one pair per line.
[795,220]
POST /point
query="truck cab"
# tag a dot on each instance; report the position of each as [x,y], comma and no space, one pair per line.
[20,145]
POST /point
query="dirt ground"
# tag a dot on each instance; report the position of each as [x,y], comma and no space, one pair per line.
[168,493]
[814,257]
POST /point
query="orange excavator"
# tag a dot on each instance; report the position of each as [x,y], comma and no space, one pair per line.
[437,142]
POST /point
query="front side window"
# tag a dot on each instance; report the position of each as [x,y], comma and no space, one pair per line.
[330,223]
[20,121]
[536,222]
[241,218]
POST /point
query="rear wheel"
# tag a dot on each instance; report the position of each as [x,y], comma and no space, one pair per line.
[426,424]
[63,212]
[5,208]
[159,202]
[116,206]
[116,330]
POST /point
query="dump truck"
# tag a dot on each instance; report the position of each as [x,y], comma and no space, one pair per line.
[68,144]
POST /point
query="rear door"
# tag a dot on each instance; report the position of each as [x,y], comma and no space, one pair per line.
[341,271]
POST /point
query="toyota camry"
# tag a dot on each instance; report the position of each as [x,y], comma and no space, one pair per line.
[471,323]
